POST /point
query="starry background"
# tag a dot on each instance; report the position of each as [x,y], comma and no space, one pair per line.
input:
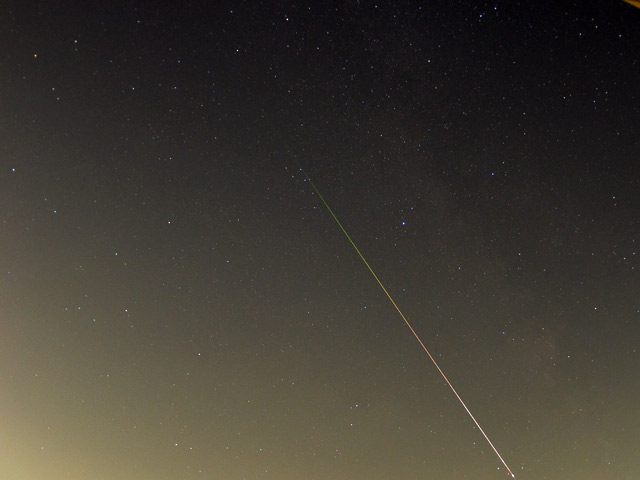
[176,302]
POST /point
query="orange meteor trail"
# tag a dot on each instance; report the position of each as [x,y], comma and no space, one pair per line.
[408,324]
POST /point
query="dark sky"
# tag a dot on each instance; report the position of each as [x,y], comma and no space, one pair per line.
[177,303]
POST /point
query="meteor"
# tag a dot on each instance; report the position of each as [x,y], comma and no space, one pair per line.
[406,321]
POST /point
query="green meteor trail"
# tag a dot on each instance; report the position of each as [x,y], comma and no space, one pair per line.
[315,189]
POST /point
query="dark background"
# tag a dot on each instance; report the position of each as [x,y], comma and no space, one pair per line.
[176,302]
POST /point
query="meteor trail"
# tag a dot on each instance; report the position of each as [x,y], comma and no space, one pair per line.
[407,322]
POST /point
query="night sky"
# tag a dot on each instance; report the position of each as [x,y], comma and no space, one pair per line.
[176,302]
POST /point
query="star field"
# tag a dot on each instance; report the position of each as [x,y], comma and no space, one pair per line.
[177,302]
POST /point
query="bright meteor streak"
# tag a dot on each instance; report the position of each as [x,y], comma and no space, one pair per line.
[408,324]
